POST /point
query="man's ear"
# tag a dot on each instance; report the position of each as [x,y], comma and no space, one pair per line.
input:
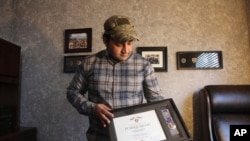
[105,41]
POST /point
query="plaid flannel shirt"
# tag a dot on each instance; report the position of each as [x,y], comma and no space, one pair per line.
[100,79]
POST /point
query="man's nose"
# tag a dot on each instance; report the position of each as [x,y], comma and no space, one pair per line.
[125,48]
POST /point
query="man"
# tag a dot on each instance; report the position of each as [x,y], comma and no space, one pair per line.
[112,78]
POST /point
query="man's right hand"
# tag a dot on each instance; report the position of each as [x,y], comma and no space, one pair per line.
[103,113]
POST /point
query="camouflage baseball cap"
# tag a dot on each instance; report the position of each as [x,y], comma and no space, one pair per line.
[120,28]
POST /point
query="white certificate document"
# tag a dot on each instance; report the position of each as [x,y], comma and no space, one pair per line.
[143,126]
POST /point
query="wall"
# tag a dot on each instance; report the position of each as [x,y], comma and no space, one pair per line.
[248,15]
[181,25]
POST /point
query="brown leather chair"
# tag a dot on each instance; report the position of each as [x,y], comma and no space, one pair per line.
[216,107]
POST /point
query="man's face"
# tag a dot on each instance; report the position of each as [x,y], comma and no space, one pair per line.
[120,51]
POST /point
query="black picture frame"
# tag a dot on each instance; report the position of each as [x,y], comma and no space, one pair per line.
[191,60]
[71,63]
[172,125]
[157,56]
[78,40]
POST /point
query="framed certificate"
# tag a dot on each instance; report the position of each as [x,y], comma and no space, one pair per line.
[157,121]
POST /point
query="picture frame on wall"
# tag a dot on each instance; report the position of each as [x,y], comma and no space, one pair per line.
[71,63]
[157,56]
[78,40]
[190,60]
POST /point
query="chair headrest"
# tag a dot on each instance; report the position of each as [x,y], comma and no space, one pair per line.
[229,98]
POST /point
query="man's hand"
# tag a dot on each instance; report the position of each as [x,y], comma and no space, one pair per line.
[103,113]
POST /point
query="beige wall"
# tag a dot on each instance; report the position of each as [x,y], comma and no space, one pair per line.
[181,25]
[248,15]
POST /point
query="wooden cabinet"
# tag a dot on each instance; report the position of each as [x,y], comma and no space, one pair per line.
[10,92]
[22,134]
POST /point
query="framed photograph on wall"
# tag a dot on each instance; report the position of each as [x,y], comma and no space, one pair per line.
[157,56]
[159,121]
[78,40]
[190,60]
[71,63]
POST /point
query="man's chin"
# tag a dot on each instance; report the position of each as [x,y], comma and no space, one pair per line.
[122,58]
